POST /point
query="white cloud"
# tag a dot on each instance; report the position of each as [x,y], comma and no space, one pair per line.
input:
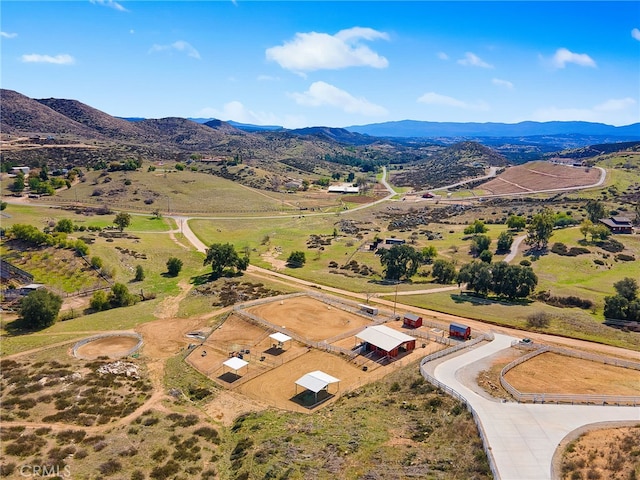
[110,4]
[564,56]
[615,111]
[472,60]
[443,56]
[433,98]
[237,112]
[502,83]
[318,51]
[8,35]
[62,59]
[635,33]
[324,94]
[180,46]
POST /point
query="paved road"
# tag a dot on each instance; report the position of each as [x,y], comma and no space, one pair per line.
[523,437]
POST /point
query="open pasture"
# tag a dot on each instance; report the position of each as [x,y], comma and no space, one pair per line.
[536,176]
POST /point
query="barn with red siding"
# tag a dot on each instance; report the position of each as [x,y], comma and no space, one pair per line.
[386,341]
[411,320]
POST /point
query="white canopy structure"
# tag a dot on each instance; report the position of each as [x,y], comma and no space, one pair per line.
[280,337]
[235,363]
[384,337]
[316,381]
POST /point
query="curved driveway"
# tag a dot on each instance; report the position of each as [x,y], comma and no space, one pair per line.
[523,437]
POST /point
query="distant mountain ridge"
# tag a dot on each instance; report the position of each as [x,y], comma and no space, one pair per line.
[415,128]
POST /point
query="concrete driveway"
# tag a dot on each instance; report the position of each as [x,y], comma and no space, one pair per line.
[523,437]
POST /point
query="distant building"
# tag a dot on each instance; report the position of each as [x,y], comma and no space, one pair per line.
[618,224]
[344,188]
[24,170]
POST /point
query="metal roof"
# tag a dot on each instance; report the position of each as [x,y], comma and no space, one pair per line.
[235,363]
[280,337]
[384,337]
[316,381]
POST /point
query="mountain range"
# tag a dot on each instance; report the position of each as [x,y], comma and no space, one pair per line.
[81,131]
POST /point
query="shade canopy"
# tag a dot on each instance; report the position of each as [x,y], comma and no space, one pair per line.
[316,381]
[280,337]
[235,363]
[384,337]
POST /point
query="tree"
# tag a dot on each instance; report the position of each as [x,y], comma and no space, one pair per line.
[122,220]
[96,262]
[99,301]
[40,308]
[477,226]
[3,205]
[18,183]
[400,261]
[540,229]
[477,276]
[505,240]
[429,253]
[516,222]
[139,274]
[296,259]
[616,307]
[221,256]
[595,210]
[174,265]
[585,227]
[120,296]
[627,288]
[479,244]
[443,271]
[485,256]
[64,225]
[599,232]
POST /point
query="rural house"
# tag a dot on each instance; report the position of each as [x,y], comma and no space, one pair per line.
[618,224]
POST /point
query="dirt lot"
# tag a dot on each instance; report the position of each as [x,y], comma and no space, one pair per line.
[572,375]
[112,347]
[540,176]
[309,317]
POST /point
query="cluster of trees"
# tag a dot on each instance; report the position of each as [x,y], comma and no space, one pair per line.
[511,281]
[34,236]
[597,231]
[625,305]
[119,296]
[401,262]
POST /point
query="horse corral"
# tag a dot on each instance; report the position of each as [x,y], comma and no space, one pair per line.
[111,346]
[323,336]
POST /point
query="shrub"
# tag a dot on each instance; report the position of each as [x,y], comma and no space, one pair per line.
[110,467]
[539,320]
[139,273]
[623,257]
[174,265]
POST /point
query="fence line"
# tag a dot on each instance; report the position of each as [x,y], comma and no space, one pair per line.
[456,395]
[84,341]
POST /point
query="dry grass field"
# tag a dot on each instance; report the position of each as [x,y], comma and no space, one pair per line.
[540,176]
[112,347]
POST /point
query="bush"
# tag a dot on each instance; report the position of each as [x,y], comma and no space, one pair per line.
[539,320]
[174,265]
[110,467]
[139,274]
[623,257]
[99,301]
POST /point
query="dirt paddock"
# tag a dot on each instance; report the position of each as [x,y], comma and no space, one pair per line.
[115,346]
[273,369]
[309,317]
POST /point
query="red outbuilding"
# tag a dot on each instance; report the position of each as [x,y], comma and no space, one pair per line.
[411,320]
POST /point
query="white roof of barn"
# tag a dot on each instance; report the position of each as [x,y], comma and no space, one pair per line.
[235,363]
[280,337]
[384,337]
[316,381]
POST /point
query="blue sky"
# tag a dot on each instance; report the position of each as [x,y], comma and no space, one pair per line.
[298,63]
